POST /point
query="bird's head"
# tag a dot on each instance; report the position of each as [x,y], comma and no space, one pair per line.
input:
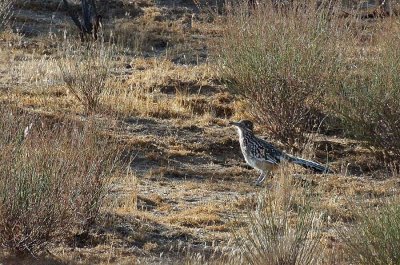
[243,125]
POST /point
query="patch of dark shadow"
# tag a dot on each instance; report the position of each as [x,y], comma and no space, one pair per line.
[246,166]
[167,89]
[219,178]
[127,155]
[333,149]
[126,226]
[239,163]
[143,164]
[225,148]
[87,239]
[177,160]
[192,58]
[222,111]
[159,42]
[137,232]
[188,87]
[38,5]
[44,259]
[222,162]
[166,239]
[175,174]
[193,128]
[140,121]
[206,89]
[174,234]
[200,223]
[144,207]
[27,31]
[135,129]
[217,81]
[364,165]
[120,9]
[176,9]
[124,230]
[193,199]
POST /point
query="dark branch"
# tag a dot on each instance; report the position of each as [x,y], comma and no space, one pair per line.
[73,16]
[90,22]
[86,13]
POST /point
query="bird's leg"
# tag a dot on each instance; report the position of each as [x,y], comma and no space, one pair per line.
[261,178]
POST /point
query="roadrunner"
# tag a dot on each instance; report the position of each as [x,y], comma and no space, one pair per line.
[265,157]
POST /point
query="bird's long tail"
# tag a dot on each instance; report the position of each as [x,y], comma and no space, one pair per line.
[308,164]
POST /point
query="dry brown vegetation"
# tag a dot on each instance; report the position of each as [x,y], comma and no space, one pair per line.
[53,180]
[118,151]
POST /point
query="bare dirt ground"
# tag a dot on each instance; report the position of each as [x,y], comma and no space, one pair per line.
[190,185]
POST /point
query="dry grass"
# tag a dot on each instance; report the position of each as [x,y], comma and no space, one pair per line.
[85,69]
[149,32]
[53,181]
[159,88]
[187,186]
[90,76]
[283,229]
[197,217]
[374,239]
[366,97]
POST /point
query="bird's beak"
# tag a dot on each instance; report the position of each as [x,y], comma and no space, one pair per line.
[233,123]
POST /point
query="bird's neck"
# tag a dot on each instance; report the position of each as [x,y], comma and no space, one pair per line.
[244,135]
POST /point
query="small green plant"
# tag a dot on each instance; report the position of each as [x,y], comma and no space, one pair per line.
[375,238]
[85,69]
[52,181]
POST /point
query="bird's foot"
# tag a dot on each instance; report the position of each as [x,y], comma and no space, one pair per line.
[257,184]
[260,179]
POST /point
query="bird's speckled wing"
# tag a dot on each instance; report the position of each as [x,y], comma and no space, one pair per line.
[267,152]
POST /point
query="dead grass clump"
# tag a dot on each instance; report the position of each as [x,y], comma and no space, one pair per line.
[282,230]
[197,217]
[35,73]
[153,31]
[85,69]
[374,239]
[52,181]
[162,89]
[367,99]
[282,63]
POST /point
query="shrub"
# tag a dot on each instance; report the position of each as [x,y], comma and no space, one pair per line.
[85,69]
[52,182]
[281,63]
[367,100]
[375,238]
[279,231]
